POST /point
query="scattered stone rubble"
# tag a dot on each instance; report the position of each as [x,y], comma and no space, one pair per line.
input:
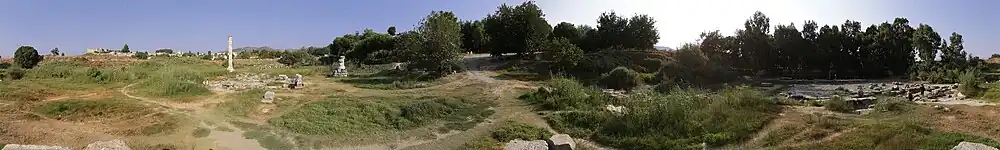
[561,142]
[972,146]
[519,144]
[556,142]
[246,81]
[911,91]
[116,144]
[32,147]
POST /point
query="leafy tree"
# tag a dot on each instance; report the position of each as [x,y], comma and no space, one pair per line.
[954,56]
[188,54]
[618,32]
[55,51]
[474,38]
[407,45]
[590,39]
[167,51]
[927,42]
[140,55]
[391,30]
[522,28]
[755,39]
[563,53]
[125,49]
[371,42]
[440,50]
[27,57]
[297,58]
[568,31]
[343,44]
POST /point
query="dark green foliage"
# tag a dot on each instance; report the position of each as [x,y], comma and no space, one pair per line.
[566,94]
[692,67]
[439,52]
[27,57]
[969,83]
[15,73]
[474,38]
[125,49]
[621,78]
[343,44]
[370,48]
[55,52]
[838,104]
[562,53]
[167,51]
[567,31]
[618,32]
[391,30]
[515,130]
[297,58]
[140,55]
[522,28]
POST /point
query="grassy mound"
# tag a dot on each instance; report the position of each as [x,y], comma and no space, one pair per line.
[344,116]
[392,80]
[78,110]
[507,131]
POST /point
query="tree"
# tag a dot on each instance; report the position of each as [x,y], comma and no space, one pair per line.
[568,31]
[371,43]
[440,50]
[521,28]
[125,49]
[618,32]
[391,30]
[563,53]
[474,38]
[954,55]
[755,43]
[927,42]
[297,58]
[140,55]
[55,52]
[27,57]
[343,44]
[166,51]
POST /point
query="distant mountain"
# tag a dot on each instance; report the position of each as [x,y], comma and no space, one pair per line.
[663,48]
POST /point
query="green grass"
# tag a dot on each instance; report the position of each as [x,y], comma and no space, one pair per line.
[481,143]
[85,109]
[515,130]
[243,103]
[353,116]
[201,132]
[392,80]
[992,92]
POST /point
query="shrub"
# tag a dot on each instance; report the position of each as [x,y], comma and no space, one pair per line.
[563,53]
[515,130]
[27,57]
[141,55]
[578,124]
[4,65]
[970,80]
[15,73]
[621,78]
[481,143]
[687,117]
[838,104]
[297,58]
[566,94]
[891,104]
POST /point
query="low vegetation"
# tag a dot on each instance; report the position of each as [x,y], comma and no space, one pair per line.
[349,116]
[651,120]
[393,80]
[79,110]
[507,131]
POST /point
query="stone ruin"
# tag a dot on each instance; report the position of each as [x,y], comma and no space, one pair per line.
[245,81]
[556,142]
[116,144]
[864,95]
[268,97]
[338,69]
[972,146]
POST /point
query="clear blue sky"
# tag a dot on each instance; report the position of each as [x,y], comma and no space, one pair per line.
[202,25]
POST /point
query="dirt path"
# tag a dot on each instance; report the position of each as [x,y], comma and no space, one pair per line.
[232,140]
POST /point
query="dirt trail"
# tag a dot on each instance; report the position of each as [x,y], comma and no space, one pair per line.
[231,140]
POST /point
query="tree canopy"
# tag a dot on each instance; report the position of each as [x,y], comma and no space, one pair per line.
[27,57]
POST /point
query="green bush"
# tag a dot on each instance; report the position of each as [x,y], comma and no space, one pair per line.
[838,104]
[621,78]
[85,109]
[515,130]
[970,81]
[140,55]
[15,73]
[367,115]
[27,57]
[892,105]
[578,123]
[687,117]
[481,143]
[566,94]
